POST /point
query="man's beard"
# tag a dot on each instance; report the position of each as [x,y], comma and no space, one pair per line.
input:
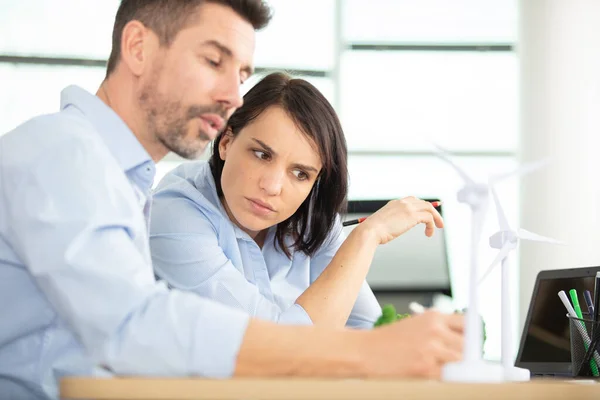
[168,121]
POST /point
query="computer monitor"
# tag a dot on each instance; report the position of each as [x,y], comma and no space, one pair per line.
[411,263]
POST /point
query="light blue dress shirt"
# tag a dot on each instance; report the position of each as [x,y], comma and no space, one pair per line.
[77,289]
[196,247]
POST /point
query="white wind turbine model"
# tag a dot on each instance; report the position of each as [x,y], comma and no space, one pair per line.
[473,368]
[506,240]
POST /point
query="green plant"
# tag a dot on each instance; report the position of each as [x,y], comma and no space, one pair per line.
[389,315]
[483,331]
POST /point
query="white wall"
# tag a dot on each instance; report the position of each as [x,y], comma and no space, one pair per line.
[559,49]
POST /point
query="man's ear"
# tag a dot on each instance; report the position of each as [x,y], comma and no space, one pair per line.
[138,45]
[225,143]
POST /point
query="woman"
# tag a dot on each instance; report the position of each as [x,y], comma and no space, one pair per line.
[258,228]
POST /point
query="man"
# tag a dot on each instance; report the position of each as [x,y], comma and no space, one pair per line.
[76,283]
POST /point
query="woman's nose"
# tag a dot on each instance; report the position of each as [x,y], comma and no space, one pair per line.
[272,182]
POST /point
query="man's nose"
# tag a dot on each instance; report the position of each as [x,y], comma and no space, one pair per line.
[228,92]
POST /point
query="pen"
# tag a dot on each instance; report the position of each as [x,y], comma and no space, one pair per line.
[590,304]
[359,220]
[596,302]
[575,301]
[353,221]
[581,329]
[416,308]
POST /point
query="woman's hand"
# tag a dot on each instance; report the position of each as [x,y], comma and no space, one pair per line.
[399,216]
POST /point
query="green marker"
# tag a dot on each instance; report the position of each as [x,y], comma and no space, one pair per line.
[577,307]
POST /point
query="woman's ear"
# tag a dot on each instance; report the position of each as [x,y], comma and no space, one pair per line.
[225,143]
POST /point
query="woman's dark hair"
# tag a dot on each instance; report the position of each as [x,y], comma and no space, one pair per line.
[316,118]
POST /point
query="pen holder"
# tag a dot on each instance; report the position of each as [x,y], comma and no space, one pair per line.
[585,335]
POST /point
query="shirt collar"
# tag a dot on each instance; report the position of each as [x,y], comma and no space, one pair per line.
[121,142]
[207,179]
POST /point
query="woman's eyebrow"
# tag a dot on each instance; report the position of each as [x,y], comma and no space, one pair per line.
[265,146]
[306,168]
[274,153]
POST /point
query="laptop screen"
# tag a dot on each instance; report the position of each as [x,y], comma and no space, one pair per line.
[411,262]
[545,342]
[547,338]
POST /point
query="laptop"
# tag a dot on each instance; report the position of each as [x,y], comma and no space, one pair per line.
[545,342]
[411,263]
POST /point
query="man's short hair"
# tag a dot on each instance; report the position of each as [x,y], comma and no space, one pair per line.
[167,17]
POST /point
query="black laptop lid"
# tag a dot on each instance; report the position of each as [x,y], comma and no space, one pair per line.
[545,341]
[412,263]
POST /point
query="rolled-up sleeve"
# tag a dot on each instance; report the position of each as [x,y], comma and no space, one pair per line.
[366,309]
[73,221]
[186,253]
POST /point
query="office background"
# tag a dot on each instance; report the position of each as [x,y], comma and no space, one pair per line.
[401,74]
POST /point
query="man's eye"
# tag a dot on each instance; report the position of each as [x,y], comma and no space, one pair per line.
[213,63]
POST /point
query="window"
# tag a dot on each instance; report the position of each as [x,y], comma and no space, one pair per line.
[430,21]
[287,43]
[60,28]
[391,100]
[29,89]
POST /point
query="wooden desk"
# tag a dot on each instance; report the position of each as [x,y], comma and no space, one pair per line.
[185,389]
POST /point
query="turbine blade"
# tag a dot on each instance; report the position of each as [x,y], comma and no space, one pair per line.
[502,221]
[501,255]
[520,171]
[445,155]
[526,235]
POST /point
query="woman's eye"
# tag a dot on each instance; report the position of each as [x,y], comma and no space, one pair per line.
[301,175]
[261,155]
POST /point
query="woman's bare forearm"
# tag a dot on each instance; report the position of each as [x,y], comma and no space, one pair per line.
[330,298]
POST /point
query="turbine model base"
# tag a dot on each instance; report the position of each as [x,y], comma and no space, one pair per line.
[516,374]
[476,371]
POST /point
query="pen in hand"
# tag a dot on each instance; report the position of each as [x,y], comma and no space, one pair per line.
[353,221]
[359,220]
[416,308]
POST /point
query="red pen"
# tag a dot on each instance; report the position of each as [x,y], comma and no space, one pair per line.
[353,221]
[359,220]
